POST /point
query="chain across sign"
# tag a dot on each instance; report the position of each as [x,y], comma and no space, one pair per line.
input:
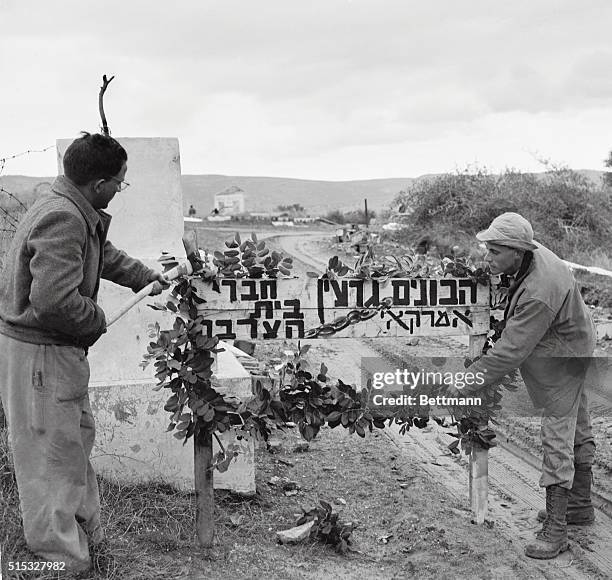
[295,308]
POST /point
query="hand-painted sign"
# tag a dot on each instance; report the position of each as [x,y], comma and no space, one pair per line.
[356,308]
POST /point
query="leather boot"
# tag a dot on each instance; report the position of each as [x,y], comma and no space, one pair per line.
[580,511]
[552,539]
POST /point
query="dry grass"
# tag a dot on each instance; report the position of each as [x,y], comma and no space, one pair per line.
[150,531]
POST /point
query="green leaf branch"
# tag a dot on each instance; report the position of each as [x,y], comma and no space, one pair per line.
[328,528]
[250,258]
[183,358]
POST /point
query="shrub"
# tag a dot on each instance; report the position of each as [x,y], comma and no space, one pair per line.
[568,212]
[350,217]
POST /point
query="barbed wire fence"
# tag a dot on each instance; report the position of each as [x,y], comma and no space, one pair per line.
[12,207]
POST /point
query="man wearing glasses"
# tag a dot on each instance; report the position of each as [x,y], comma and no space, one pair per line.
[48,320]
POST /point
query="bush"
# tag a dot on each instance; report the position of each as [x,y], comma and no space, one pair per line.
[568,212]
[350,217]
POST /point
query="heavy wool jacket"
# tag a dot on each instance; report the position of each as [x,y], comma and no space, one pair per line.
[51,275]
[548,330]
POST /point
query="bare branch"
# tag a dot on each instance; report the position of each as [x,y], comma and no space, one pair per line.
[105,84]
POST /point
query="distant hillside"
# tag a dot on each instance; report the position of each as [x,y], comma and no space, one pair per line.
[261,193]
[267,193]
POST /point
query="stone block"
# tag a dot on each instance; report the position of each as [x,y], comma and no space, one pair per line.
[132,444]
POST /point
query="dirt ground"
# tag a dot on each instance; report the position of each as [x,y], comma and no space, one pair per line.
[407,523]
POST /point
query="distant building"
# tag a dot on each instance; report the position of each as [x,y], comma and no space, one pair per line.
[230,201]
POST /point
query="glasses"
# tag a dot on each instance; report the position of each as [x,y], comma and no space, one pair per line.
[123,185]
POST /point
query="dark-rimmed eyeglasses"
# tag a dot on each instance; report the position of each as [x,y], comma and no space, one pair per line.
[122,184]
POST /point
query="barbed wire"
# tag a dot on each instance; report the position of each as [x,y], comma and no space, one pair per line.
[7,219]
[13,196]
[3,160]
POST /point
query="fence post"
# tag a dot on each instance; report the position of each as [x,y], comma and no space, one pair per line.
[203,483]
[479,458]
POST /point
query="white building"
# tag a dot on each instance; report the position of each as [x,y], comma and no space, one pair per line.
[230,201]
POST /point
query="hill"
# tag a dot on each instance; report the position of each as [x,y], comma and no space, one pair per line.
[261,193]
[267,193]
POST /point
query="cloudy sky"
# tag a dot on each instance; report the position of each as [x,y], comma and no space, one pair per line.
[315,89]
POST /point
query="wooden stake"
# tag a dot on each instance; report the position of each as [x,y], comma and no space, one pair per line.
[205,501]
[477,342]
[479,482]
[479,458]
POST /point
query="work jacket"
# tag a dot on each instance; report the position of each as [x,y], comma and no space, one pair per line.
[51,275]
[548,333]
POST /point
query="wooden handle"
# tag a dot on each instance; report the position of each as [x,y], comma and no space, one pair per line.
[183,269]
[130,303]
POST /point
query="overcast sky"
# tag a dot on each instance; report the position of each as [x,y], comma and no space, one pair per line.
[316,89]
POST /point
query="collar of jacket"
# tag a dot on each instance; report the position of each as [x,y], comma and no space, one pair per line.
[64,187]
[524,269]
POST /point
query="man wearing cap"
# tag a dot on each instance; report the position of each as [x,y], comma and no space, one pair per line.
[549,335]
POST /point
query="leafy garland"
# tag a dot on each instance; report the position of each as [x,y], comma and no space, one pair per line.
[183,359]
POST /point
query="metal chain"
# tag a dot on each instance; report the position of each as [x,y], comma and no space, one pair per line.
[352,317]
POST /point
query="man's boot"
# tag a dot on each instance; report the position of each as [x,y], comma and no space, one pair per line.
[580,511]
[552,539]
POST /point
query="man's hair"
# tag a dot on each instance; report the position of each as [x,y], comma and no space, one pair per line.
[93,157]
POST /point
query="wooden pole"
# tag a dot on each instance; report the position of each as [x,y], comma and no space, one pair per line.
[479,482]
[366,212]
[479,458]
[205,501]
[477,342]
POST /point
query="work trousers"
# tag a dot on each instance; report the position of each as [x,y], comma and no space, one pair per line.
[51,429]
[566,434]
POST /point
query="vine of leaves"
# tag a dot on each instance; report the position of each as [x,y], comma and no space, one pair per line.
[183,358]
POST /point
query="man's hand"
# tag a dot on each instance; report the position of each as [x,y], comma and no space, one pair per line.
[161,283]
